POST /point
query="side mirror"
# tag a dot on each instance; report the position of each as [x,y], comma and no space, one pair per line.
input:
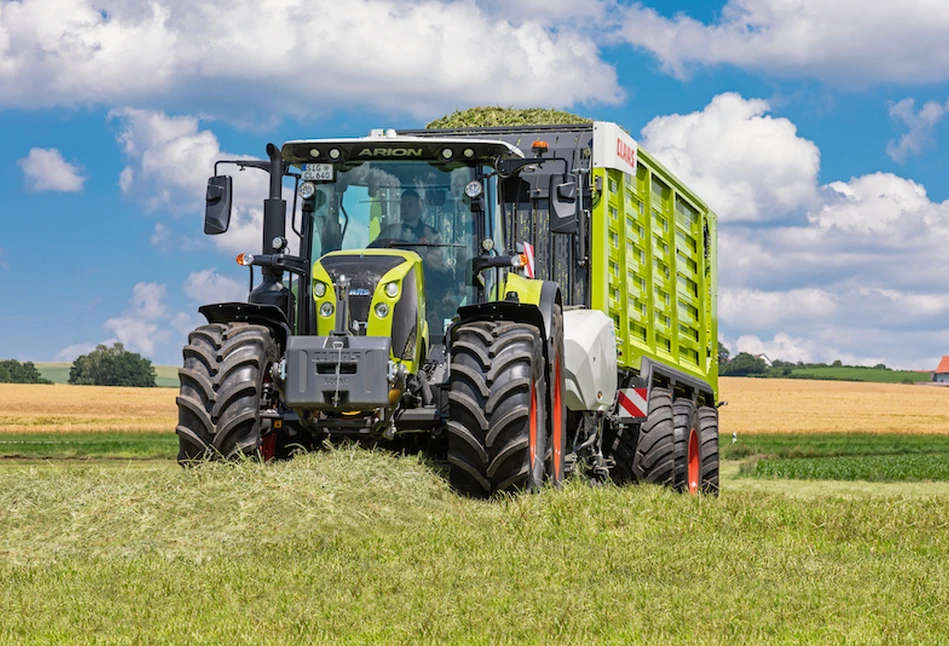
[563,204]
[217,209]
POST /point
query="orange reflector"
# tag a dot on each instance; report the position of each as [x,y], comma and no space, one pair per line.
[394,396]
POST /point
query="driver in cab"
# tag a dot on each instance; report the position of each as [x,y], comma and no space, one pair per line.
[412,229]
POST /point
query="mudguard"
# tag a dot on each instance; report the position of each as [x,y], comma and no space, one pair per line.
[268,315]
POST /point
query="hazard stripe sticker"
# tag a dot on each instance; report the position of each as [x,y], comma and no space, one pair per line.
[529,252]
[632,403]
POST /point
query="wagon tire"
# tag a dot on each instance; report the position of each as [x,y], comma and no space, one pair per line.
[708,482]
[654,460]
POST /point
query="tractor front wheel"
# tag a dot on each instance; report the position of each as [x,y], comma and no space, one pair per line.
[223,391]
[497,429]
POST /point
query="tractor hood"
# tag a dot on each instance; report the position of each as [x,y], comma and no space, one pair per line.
[386,296]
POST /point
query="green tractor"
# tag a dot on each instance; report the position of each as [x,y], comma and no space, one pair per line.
[440,290]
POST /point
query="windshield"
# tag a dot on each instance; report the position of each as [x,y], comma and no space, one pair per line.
[418,206]
[387,202]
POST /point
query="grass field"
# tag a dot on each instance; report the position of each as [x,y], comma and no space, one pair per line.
[857,373]
[356,546]
[58,373]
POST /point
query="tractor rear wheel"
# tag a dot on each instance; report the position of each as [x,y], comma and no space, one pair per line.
[557,405]
[708,450]
[222,391]
[654,460]
[497,408]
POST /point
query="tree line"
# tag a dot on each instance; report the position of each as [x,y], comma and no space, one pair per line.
[744,364]
[14,372]
[104,366]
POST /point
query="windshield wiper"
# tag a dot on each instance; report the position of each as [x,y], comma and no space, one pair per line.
[392,242]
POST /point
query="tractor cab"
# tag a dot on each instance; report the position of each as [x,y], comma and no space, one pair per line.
[385,202]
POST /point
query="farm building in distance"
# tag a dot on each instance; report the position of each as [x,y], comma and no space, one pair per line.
[941,374]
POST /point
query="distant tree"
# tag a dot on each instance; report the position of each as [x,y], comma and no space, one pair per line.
[880,366]
[14,372]
[837,364]
[743,365]
[723,355]
[113,366]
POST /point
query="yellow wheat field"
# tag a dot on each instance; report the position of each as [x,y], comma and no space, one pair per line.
[77,409]
[754,406]
[801,406]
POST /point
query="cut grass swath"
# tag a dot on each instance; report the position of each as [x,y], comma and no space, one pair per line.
[359,546]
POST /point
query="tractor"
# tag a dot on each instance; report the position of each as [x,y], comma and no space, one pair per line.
[446,291]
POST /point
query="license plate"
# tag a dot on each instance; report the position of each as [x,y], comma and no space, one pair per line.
[318,172]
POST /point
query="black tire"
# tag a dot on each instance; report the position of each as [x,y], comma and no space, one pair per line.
[686,422]
[221,384]
[654,460]
[497,408]
[556,402]
[708,447]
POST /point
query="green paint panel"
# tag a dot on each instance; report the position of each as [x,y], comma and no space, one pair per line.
[654,269]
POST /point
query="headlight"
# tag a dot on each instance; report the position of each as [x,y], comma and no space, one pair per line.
[326,309]
[392,289]
[473,189]
[319,289]
[382,310]
[307,190]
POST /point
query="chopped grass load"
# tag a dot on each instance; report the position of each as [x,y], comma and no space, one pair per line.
[487,116]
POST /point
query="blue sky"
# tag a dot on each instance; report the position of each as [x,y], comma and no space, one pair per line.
[816,130]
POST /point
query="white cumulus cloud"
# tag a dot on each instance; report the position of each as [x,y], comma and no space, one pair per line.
[746,164]
[853,270]
[46,170]
[138,328]
[170,159]
[846,42]
[208,286]
[752,309]
[296,57]
[921,125]
[69,353]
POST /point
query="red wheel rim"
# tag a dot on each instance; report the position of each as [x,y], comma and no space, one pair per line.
[694,462]
[532,432]
[558,423]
